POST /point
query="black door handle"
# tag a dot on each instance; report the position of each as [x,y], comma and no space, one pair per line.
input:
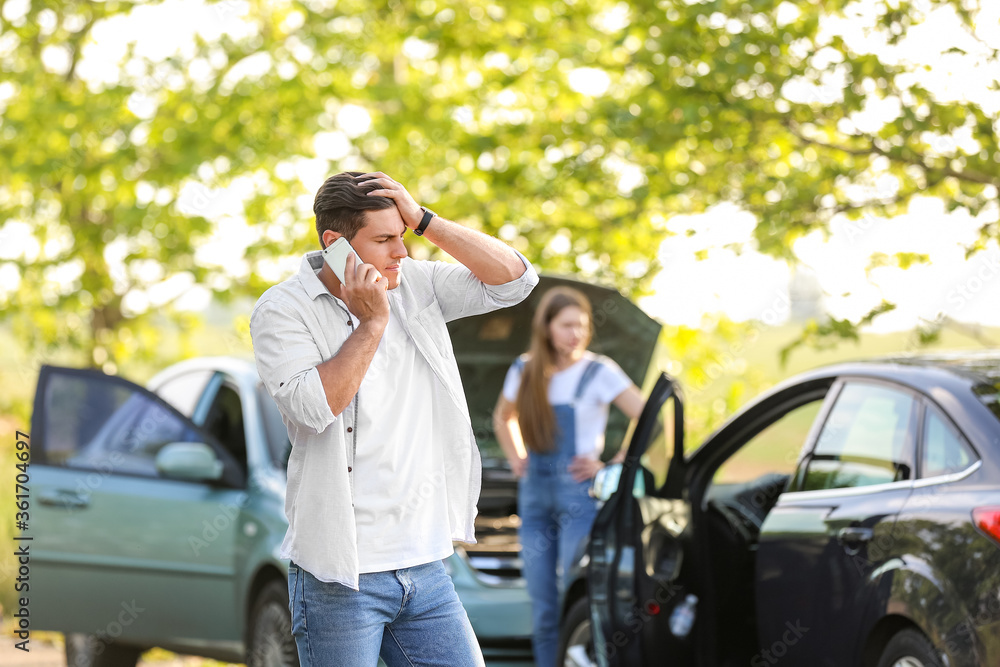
[854,534]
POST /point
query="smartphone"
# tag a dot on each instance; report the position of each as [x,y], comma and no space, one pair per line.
[336,254]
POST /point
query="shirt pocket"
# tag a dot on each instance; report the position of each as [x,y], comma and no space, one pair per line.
[431,332]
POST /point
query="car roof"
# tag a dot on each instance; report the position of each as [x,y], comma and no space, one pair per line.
[974,364]
[951,370]
[243,369]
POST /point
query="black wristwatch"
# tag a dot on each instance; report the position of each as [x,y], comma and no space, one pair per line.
[424,221]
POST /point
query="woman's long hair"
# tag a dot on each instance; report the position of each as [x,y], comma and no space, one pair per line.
[534,412]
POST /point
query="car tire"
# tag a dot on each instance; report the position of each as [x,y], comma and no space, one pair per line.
[270,642]
[576,640]
[84,650]
[909,648]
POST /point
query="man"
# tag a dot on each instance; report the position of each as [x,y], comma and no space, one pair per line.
[384,471]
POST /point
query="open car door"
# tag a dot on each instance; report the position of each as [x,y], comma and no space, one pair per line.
[640,597]
[126,513]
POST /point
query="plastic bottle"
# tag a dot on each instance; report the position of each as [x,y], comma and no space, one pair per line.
[682,617]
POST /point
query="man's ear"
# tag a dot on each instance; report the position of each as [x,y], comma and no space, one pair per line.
[329,236]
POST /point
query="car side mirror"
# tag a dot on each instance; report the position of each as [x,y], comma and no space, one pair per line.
[194,461]
[606,483]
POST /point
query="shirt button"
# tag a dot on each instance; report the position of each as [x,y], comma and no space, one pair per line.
[348,468]
[350,429]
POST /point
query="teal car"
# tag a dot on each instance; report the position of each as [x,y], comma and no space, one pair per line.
[160,512]
[157,512]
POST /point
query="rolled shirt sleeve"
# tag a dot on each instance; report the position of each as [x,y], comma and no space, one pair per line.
[462,294]
[287,357]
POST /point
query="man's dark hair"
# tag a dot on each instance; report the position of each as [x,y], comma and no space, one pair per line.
[341,203]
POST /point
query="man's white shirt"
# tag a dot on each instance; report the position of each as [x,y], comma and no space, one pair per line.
[399,507]
[297,325]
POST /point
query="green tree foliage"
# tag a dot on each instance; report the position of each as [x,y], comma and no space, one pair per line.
[572,129]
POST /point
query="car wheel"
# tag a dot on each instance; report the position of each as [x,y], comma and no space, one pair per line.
[271,643]
[576,641]
[89,651]
[909,648]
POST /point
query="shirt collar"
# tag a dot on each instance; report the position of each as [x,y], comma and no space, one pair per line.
[312,262]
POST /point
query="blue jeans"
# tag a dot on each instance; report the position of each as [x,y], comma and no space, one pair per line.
[410,617]
[556,516]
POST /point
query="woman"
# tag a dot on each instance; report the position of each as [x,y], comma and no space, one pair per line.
[556,399]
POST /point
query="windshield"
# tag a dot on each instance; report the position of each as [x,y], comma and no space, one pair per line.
[274,428]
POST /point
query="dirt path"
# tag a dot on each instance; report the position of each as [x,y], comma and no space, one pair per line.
[47,651]
[44,652]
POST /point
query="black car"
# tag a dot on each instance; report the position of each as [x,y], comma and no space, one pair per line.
[849,516]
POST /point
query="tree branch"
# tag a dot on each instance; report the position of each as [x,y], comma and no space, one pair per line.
[794,129]
[970,176]
[77,46]
[844,208]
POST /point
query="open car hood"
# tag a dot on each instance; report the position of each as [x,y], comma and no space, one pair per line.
[486,345]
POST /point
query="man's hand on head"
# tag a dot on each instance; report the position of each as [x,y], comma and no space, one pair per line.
[491,260]
[364,292]
[408,208]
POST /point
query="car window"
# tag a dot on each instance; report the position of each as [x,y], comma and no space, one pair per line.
[183,391]
[655,461]
[225,421]
[278,443]
[94,422]
[866,439]
[944,450]
[776,449]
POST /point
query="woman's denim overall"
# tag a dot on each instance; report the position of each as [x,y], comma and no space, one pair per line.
[556,515]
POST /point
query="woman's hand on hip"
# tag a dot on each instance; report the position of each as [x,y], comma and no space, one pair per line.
[584,467]
[518,466]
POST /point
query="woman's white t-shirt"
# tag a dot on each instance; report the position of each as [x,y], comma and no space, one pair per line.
[592,408]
